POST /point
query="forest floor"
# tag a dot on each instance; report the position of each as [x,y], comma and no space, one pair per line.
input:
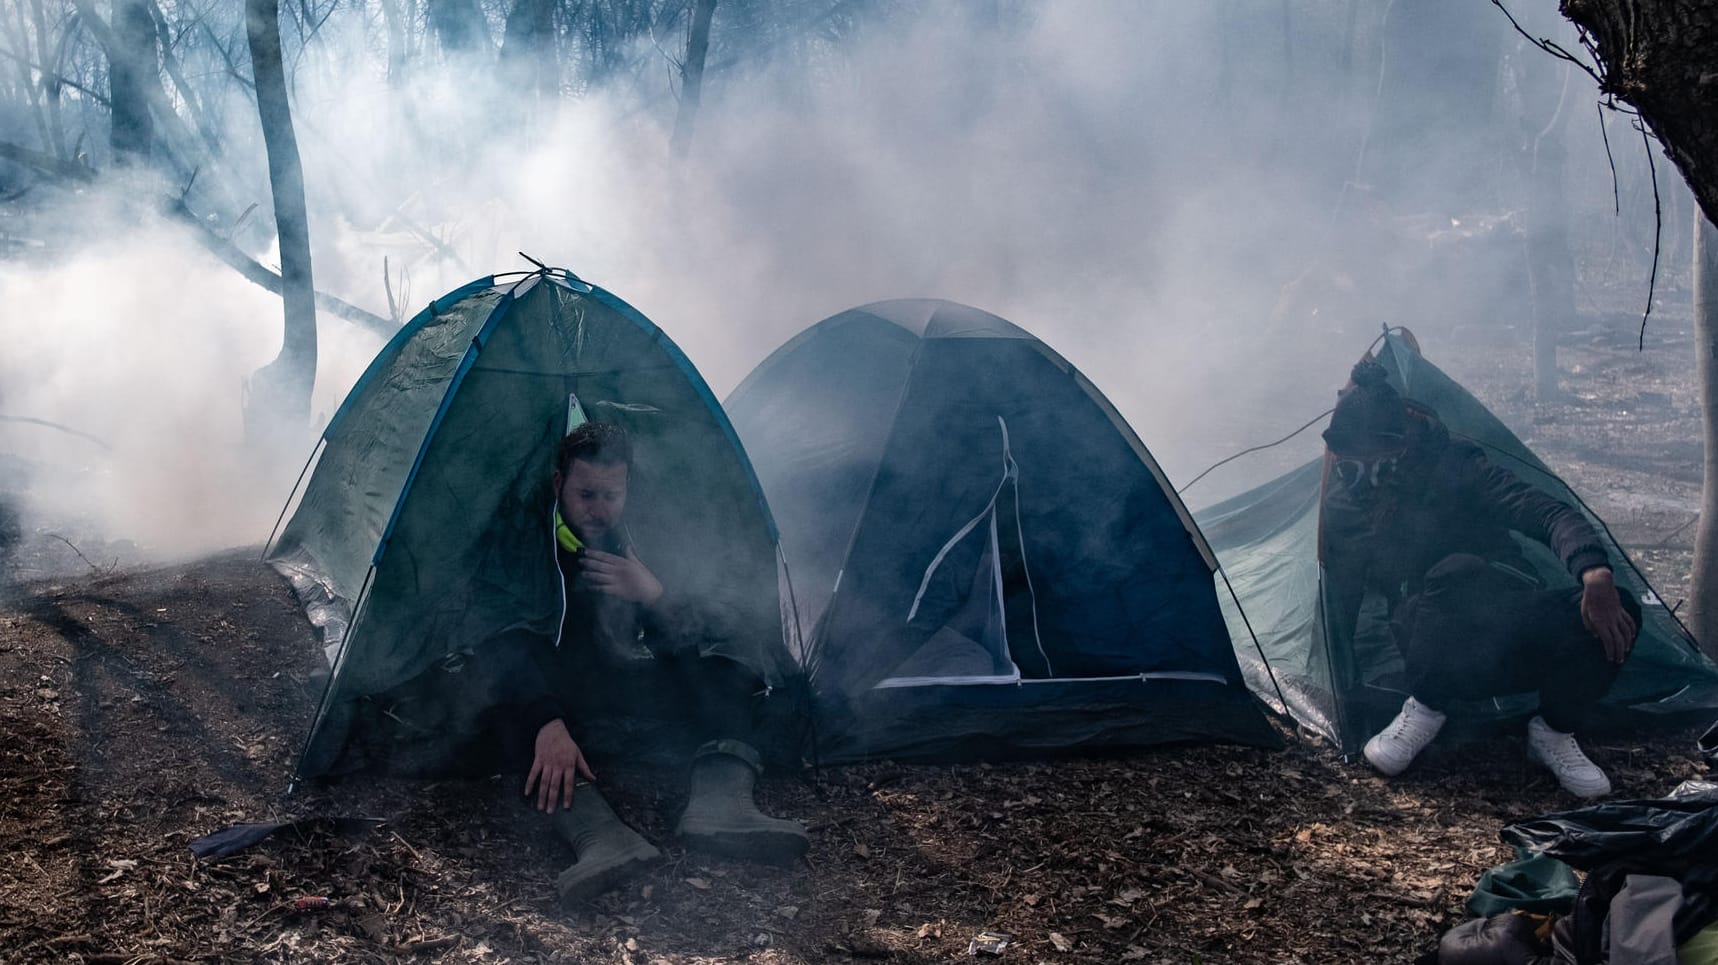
[145,707]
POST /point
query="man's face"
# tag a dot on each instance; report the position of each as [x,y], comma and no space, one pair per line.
[1364,473]
[592,498]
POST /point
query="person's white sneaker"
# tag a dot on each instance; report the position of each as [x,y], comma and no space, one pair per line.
[1396,746]
[1559,753]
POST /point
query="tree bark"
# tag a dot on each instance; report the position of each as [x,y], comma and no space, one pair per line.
[692,77]
[1703,607]
[1661,57]
[458,25]
[398,56]
[280,391]
[528,49]
[176,141]
[132,65]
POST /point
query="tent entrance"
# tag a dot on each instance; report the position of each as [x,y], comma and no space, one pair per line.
[973,644]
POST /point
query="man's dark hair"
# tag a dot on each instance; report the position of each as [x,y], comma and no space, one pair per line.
[1370,416]
[600,443]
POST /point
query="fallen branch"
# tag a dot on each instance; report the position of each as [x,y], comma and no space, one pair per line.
[1211,880]
[255,272]
[26,420]
[46,163]
[1678,531]
[94,569]
[220,247]
[425,945]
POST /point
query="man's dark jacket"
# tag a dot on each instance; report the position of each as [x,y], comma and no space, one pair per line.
[600,636]
[1447,499]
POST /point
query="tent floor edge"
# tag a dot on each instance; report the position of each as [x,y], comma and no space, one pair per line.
[993,724]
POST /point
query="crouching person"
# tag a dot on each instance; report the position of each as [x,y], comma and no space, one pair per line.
[628,649]
[1425,521]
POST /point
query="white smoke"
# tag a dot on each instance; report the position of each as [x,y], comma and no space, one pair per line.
[1129,181]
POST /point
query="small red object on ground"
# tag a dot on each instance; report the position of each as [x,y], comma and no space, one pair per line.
[311,903]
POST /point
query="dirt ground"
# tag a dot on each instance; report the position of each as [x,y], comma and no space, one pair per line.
[143,708]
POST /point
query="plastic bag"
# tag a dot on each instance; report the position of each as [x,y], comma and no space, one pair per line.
[1659,836]
[1671,837]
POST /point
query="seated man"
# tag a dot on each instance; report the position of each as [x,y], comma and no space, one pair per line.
[628,649]
[1425,521]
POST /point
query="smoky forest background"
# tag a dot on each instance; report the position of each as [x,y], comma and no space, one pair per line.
[214,212]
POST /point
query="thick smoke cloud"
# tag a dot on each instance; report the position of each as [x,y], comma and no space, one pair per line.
[1193,202]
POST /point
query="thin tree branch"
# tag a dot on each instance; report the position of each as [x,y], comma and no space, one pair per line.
[227,58]
[94,569]
[1549,46]
[46,163]
[48,75]
[258,274]
[68,430]
[388,287]
[175,209]
[170,63]
[1616,192]
[1657,233]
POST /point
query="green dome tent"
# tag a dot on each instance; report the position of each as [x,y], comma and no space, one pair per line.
[1267,542]
[425,530]
[993,562]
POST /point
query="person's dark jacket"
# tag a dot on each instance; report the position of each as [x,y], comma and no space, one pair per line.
[600,636]
[1447,498]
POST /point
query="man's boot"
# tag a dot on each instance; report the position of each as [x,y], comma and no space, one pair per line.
[608,851]
[721,816]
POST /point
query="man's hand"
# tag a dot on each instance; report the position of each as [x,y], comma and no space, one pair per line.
[1602,612]
[559,763]
[622,576]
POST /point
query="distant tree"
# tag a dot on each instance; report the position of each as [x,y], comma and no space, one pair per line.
[1703,607]
[528,60]
[458,25]
[397,19]
[37,44]
[133,67]
[280,391]
[692,76]
[1545,100]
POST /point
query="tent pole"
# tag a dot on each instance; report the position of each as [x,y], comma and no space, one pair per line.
[314,450]
[1256,644]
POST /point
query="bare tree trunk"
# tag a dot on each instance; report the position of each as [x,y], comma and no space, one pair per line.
[395,19]
[692,77]
[527,57]
[131,65]
[176,141]
[50,79]
[1703,607]
[1660,56]
[458,25]
[280,391]
[1550,262]
[27,83]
